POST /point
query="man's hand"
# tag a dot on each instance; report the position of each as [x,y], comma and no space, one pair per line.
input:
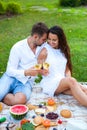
[31,72]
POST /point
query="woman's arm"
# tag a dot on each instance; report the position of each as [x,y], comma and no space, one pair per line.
[67,72]
[42,56]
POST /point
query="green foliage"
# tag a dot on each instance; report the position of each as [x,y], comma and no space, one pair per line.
[28,126]
[72,3]
[83,2]
[2,8]
[69,3]
[38,79]
[13,8]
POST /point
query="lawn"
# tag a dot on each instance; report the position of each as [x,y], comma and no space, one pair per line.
[73,21]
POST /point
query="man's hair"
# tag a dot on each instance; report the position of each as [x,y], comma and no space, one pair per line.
[39,28]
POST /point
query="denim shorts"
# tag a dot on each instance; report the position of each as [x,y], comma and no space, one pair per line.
[12,85]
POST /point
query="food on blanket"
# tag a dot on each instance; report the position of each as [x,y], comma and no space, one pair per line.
[3,119]
[31,107]
[50,108]
[40,110]
[52,116]
[51,101]
[43,103]
[42,115]
[60,121]
[40,105]
[38,66]
[54,128]
[38,120]
[33,116]
[28,126]
[45,65]
[18,111]
[53,123]
[65,113]
[41,127]
[46,123]
[1,107]
[23,121]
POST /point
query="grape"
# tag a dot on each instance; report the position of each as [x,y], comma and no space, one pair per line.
[33,116]
[54,128]
[59,121]
[52,115]
[40,105]
[42,115]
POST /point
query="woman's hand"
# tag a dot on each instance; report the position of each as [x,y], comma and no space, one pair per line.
[67,72]
[44,72]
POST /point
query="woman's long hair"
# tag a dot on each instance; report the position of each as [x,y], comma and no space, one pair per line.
[63,45]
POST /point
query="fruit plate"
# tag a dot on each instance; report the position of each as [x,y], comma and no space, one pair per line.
[18,111]
[53,116]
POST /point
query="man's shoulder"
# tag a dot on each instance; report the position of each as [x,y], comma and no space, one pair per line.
[20,43]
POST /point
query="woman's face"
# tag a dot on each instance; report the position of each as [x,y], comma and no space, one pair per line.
[53,40]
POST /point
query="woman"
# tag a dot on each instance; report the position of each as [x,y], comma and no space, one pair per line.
[57,53]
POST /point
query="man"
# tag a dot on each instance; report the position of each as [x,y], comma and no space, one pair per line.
[15,85]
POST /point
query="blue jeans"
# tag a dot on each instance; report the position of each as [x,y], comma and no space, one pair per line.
[11,85]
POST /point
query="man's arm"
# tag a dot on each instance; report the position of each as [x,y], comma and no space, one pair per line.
[13,66]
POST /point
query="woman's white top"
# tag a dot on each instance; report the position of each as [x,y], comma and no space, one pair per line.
[57,62]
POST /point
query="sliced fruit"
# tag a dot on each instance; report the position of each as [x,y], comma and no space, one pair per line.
[46,123]
[23,121]
[18,111]
[51,101]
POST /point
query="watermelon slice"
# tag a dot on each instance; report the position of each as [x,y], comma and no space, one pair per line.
[18,111]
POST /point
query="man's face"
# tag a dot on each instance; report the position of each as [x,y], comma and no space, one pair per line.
[40,40]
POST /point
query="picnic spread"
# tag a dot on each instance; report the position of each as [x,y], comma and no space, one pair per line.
[42,112]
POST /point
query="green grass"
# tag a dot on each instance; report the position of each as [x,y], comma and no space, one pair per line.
[73,21]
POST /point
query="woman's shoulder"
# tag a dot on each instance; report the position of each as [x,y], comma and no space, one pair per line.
[47,46]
